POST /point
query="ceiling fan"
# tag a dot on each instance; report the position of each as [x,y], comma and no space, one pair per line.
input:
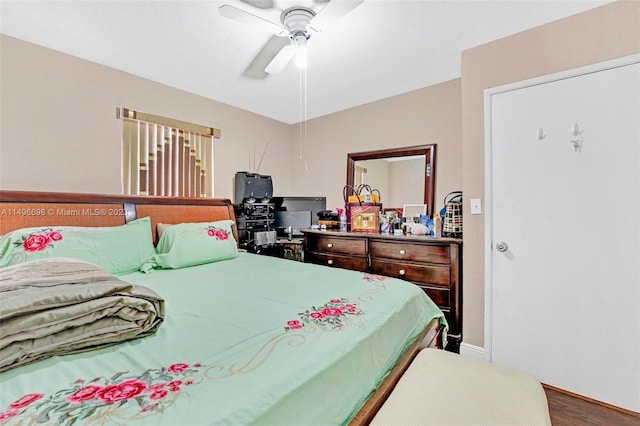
[289,40]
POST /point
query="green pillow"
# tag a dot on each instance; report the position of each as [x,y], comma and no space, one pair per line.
[118,249]
[189,244]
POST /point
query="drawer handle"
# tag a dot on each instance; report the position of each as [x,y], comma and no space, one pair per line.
[401,272]
[403,251]
[329,262]
[329,245]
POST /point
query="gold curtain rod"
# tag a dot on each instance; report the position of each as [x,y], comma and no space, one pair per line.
[165,121]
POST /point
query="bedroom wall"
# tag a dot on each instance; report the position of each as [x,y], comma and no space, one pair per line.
[601,34]
[59,132]
[431,115]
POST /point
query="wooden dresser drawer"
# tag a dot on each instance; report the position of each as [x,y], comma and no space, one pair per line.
[355,246]
[420,273]
[412,252]
[337,260]
[440,297]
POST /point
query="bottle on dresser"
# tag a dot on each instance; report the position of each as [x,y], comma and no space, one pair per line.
[343,219]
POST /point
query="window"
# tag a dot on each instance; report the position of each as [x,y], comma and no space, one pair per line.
[162,156]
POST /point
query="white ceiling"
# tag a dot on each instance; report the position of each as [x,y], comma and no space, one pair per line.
[381,48]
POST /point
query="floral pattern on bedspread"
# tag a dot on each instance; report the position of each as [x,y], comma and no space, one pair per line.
[333,315]
[122,395]
[125,397]
[336,313]
[374,278]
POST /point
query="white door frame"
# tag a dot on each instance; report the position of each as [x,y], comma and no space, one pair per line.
[488,224]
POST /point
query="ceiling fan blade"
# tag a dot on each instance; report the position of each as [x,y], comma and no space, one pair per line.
[256,68]
[333,11]
[281,60]
[240,15]
[261,4]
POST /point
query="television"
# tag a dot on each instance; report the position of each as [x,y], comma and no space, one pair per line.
[294,204]
[297,220]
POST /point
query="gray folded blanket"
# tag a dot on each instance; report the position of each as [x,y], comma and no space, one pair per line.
[59,306]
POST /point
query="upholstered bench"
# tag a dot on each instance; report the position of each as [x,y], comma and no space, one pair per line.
[443,388]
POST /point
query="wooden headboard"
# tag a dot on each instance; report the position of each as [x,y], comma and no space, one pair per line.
[23,209]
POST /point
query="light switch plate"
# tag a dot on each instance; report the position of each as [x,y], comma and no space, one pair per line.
[476,205]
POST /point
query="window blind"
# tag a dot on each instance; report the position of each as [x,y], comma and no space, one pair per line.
[166,157]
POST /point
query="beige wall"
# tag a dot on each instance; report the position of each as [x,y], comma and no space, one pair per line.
[426,116]
[58,129]
[59,132]
[604,33]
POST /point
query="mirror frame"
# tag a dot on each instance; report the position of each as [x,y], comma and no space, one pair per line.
[429,151]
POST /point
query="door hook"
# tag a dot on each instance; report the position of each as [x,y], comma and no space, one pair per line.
[576,138]
[541,134]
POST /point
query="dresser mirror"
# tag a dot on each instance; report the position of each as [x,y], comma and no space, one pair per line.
[402,175]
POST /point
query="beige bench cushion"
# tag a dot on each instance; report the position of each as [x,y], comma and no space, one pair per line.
[442,388]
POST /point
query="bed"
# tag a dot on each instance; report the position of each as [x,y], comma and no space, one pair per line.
[244,339]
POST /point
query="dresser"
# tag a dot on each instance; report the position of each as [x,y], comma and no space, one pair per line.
[433,264]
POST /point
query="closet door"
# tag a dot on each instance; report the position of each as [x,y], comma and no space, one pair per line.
[563,279]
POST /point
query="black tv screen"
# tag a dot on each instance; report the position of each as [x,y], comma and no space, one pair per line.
[297,220]
[312,204]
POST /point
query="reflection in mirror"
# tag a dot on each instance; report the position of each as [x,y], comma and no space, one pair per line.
[402,175]
[398,178]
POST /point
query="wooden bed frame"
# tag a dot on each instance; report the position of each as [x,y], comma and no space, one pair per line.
[23,209]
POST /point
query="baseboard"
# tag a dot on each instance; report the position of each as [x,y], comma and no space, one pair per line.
[471,351]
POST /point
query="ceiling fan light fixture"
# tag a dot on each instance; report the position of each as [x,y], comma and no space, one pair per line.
[300,46]
[297,22]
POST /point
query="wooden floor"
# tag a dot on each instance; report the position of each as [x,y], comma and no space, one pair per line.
[567,409]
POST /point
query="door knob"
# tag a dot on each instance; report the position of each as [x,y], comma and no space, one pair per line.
[502,247]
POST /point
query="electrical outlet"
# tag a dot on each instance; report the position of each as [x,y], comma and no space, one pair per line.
[476,205]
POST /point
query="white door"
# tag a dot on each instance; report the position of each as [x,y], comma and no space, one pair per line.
[563,188]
